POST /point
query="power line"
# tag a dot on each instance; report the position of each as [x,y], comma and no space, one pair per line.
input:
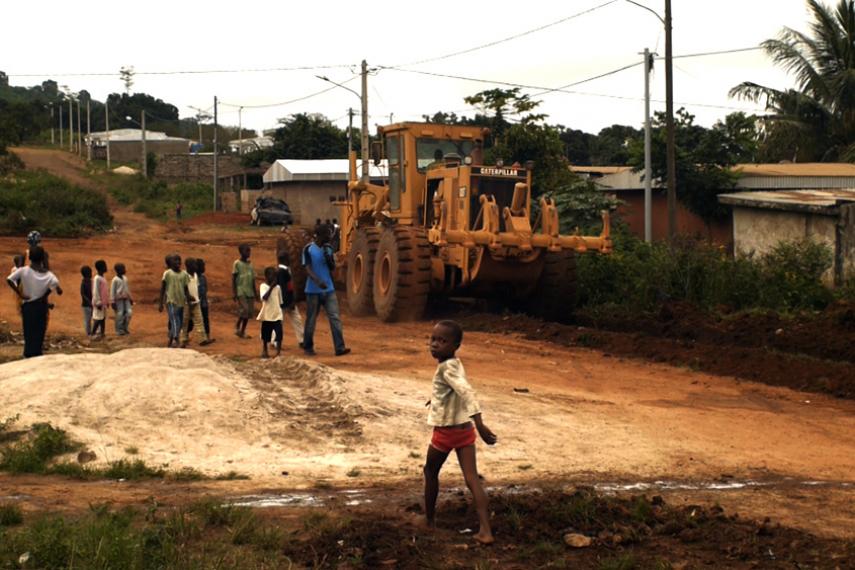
[564,90]
[186,71]
[600,76]
[282,103]
[721,52]
[509,38]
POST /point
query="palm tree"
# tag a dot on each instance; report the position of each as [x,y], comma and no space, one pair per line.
[820,112]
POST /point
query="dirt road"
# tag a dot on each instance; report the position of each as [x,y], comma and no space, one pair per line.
[576,414]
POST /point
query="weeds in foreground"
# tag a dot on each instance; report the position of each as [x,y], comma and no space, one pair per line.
[10,514]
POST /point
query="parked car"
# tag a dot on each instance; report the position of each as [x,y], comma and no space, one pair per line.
[271,211]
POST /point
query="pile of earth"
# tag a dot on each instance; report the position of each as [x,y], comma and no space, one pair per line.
[181,408]
[814,353]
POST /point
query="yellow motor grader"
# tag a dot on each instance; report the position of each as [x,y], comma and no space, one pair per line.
[443,223]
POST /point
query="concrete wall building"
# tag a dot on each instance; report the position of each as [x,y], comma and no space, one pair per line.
[126,144]
[763,219]
[309,186]
[628,186]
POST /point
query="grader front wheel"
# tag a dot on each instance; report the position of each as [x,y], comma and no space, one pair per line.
[401,274]
[360,271]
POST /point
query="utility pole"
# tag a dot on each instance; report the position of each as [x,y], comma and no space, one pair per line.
[240,131]
[52,141]
[648,171]
[216,177]
[365,175]
[61,128]
[89,129]
[670,152]
[144,153]
[79,133]
[349,132]
[70,125]
[107,128]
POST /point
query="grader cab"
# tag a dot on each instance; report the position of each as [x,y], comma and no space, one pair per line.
[446,224]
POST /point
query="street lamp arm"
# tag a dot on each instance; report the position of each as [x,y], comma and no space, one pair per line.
[328,80]
[651,10]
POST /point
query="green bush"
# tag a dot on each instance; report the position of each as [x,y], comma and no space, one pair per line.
[641,276]
[157,199]
[34,453]
[41,201]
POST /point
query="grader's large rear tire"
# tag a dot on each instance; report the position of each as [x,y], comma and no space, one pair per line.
[401,274]
[360,271]
[554,298]
[292,240]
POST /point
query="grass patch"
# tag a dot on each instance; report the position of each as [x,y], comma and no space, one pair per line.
[231,476]
[354,472]
[10,515]
[34,452]
[41,201]
[157,199]
[525,467]
[132,450]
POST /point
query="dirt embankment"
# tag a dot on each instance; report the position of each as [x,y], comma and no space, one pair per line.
[813,353]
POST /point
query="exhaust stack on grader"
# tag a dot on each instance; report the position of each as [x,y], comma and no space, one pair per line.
[445,224]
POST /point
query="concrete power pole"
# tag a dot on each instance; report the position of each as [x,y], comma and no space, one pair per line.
[79,132]
[61,128]
[365,174]
[216,174]
[349,132]
[89,129]
[240,131]
[648,171]
[107,129]
[52,140]
[144,153]
[671,152]
[70,125]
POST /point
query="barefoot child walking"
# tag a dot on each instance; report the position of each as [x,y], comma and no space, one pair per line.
[271,312]
[452,406]
[100,300]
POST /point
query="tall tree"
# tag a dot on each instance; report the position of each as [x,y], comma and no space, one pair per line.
[704,158]
[817,117]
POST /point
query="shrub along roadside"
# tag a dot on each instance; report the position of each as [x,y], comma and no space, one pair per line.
[157,199]
[641,276]
[40,201]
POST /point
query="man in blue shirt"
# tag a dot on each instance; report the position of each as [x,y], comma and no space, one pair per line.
[319,260]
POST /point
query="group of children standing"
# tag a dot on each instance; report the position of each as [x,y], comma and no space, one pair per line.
[96,296]
[185,294]
[276,295]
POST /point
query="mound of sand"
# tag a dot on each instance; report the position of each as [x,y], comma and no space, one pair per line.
[181,408]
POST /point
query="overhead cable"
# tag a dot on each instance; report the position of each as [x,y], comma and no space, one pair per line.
[186,71]
[507,39]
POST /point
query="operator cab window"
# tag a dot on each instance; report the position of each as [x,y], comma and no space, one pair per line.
[394,153]
[426,150]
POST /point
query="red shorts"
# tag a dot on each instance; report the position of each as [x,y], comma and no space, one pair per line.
[445,439]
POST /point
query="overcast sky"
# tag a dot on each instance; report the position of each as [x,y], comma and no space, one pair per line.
[54,38]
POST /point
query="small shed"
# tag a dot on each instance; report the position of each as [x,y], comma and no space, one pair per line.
[309,186]
[765,218]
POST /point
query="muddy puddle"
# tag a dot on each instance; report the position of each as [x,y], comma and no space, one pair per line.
[357,497]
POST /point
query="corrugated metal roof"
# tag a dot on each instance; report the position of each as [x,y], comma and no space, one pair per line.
[797,169]
[119,135]
[599,169]
[288,170]
[817,201]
